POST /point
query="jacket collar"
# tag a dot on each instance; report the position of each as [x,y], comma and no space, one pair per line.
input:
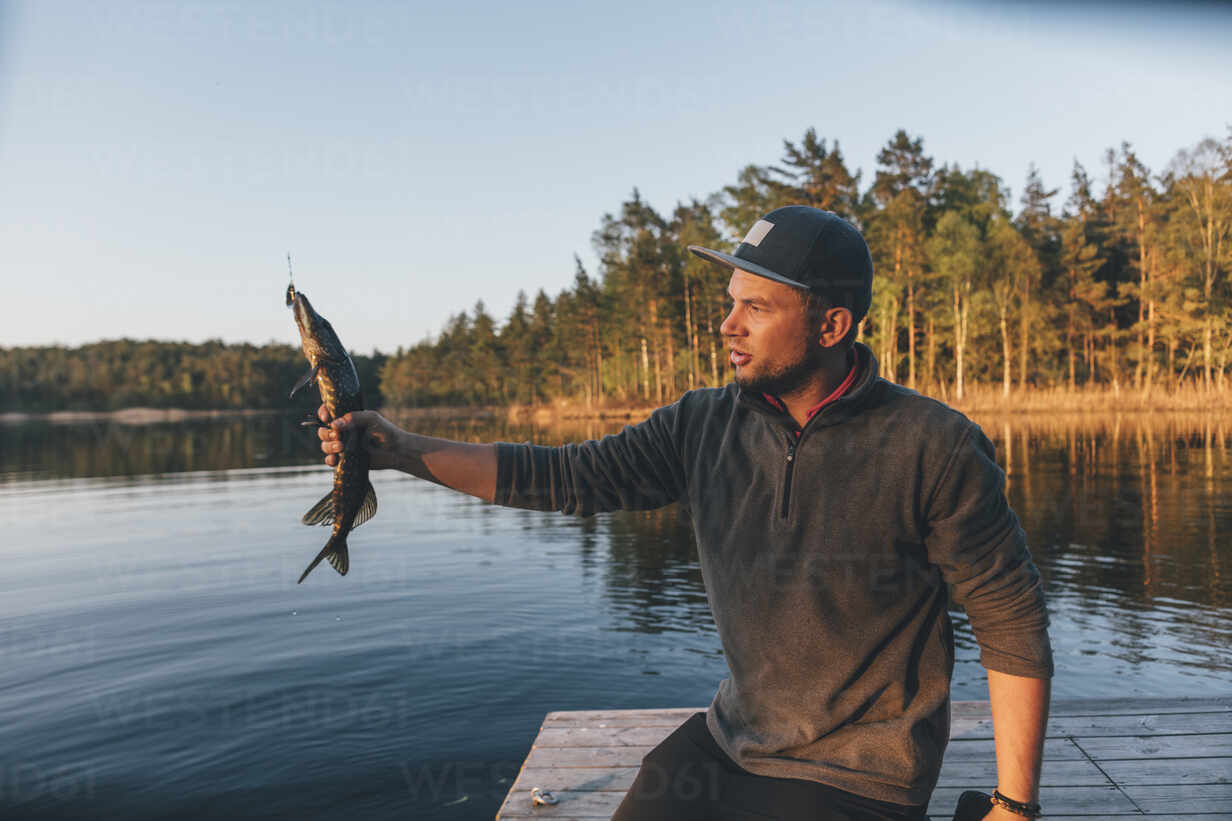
[840,410]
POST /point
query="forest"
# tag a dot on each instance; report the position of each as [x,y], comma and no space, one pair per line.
[1120,281]
[127,373]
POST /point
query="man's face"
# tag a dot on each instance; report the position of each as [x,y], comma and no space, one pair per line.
[772,344]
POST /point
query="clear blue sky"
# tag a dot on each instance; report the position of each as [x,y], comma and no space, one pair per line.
[158,160]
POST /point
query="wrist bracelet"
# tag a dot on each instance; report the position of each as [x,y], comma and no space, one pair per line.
[1016,807]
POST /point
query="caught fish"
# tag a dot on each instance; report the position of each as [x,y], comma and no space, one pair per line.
[352,500]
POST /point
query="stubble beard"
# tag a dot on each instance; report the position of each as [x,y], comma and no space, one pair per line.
[787,378]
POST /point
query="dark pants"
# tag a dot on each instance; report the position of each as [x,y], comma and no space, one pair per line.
[689,778]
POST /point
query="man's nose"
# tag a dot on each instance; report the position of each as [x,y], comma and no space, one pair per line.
[730,325]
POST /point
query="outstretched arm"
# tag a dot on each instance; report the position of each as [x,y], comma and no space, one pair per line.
[470,468]
[1019,718]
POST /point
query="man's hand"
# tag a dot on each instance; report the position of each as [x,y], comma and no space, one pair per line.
[366,429]
[459,465]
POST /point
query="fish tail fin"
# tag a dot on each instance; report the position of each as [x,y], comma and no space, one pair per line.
[340,558]
[335,551]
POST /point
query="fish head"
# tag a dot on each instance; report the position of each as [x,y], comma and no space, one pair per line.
[317,337]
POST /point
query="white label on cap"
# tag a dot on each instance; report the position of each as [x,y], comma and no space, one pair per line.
[758,232]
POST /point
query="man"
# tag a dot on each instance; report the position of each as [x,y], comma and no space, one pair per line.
[831,510]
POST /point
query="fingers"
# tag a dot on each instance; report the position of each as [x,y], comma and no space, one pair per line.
[323,414]
[340,433]
[356,418]
[330,443]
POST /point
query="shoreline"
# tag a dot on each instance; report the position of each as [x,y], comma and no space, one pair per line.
[1090,401]
[129,416]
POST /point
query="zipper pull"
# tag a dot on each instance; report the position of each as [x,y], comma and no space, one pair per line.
[791,451]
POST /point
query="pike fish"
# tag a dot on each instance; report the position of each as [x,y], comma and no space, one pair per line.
[352,500]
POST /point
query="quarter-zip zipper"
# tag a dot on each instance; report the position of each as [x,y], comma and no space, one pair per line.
[793,445]
[791,463]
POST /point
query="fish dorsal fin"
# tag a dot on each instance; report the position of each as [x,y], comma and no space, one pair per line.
[322,513]
[368,509]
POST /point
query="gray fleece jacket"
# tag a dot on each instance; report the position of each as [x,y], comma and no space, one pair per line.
[826,554]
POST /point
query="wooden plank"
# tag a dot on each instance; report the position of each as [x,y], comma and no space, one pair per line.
[1192,745]
[983,749]
[632,721]
[1147,724]
[1109,725]
[1054,800]
[579,779]
[569,804]
[1151,771]
[541,757]
[970,728]
[1071,774]
[1187,798]
[602,736]
[649,718]
[1134,706]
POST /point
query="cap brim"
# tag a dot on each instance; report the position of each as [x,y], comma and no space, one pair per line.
[745,265]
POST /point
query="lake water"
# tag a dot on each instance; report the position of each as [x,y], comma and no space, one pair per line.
[157,658]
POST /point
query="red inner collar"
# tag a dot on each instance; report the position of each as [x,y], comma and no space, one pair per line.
[834,396]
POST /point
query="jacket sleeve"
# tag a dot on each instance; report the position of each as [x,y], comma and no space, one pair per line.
[976,540]
[637,469]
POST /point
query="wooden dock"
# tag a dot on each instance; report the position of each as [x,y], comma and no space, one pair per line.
[1104,759]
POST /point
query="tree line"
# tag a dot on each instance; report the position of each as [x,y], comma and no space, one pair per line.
[129,373]
[1121,282]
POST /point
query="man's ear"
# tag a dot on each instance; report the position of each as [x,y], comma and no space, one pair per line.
[835,323]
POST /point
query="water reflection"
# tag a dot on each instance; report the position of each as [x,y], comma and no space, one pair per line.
[653,575]
[44,450]
[1130,524]
[1139,497]
[40,449]
[1127,516]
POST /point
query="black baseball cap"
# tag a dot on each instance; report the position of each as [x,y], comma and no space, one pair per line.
[806,248]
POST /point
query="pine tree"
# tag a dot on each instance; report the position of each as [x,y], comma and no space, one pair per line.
[1132,204]
[954,251]
[1083,296]
[811,174]
[903,190]
[1203,178]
